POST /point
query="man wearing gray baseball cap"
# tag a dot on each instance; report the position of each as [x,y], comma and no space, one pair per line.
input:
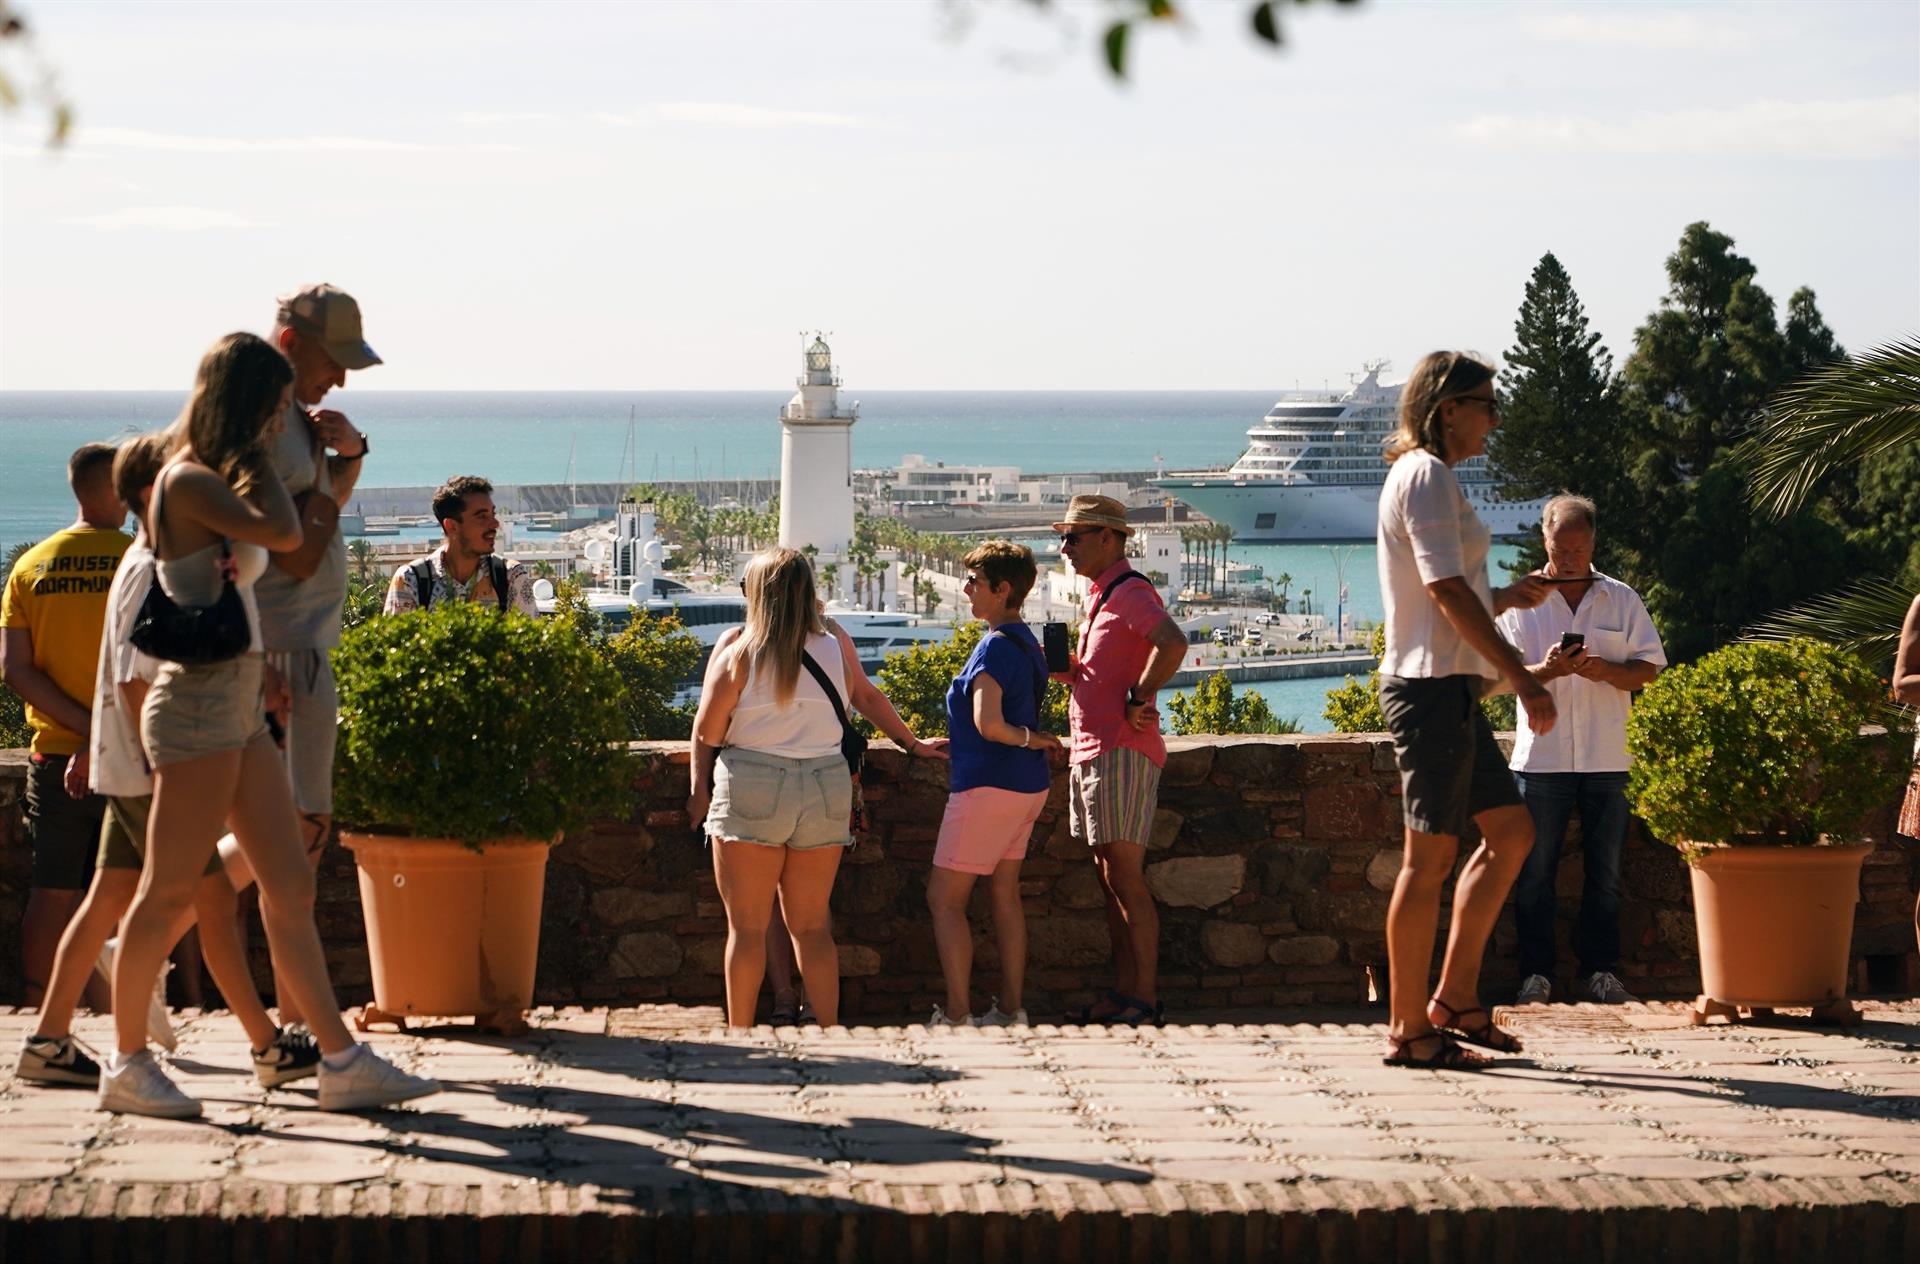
[318,454]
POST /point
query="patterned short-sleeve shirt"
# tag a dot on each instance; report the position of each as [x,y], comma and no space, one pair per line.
[403,593]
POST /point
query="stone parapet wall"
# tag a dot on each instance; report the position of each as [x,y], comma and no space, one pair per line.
[1272,859]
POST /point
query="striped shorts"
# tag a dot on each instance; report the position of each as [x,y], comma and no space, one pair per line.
[1111,798]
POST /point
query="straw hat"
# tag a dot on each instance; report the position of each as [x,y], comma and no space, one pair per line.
[1095,511]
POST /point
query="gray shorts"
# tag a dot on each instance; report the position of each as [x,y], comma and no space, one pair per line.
[312,729]
[196,709]
[781,802]
[1451,768]
[1111,798]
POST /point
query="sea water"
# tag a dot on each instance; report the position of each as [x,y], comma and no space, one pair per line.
[419,438]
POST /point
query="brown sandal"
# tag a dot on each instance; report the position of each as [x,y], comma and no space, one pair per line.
[1449,1056]
[1484,1034]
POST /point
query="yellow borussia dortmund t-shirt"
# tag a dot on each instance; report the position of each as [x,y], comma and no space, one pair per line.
[58,592]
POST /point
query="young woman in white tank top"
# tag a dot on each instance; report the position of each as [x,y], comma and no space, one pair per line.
[214,764]
[770,784]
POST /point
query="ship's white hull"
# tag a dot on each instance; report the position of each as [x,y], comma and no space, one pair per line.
[1259,510]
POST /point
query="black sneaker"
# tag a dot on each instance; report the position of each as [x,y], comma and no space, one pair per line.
[57,1061]
[293,1055]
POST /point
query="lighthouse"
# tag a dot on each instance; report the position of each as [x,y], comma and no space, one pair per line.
[816,460]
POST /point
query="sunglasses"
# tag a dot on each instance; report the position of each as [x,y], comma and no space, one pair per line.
[1074,537]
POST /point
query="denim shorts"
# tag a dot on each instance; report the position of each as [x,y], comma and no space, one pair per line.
[779,802]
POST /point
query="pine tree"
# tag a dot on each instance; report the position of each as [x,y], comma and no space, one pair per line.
[1559,414]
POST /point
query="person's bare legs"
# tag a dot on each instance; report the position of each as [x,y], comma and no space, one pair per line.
[780,962]
[48,914]
[269,833]
[190,801]
[1131,908]
[747,875]
[1010,932]
[100,911]
[1485,880]
[1413,919]
[214,904]
[947,894]
[314,829]
[806,886]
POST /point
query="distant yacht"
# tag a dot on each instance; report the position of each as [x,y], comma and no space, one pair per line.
[1313,471]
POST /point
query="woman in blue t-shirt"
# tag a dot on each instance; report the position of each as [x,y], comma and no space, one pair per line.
[997,786]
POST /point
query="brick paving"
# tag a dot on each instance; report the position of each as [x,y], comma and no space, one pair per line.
[1623,1133]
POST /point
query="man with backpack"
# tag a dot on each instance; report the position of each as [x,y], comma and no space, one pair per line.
[1129,648]
[465,567]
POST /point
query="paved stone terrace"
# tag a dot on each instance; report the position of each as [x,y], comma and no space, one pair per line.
[1624,1134]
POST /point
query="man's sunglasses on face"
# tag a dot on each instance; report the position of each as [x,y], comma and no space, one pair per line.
[1074,537]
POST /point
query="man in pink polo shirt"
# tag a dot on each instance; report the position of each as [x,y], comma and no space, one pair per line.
[1129,648]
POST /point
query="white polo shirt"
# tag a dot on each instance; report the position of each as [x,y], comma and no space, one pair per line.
[1591,732]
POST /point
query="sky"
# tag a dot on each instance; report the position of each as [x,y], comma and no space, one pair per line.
[661,196]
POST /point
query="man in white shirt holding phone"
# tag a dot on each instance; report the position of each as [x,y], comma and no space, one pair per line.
[1592,644]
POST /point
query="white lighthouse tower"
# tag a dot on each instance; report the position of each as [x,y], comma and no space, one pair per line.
[816,460]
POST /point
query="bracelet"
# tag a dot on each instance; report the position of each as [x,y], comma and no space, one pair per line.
[913,744]
[1026,737]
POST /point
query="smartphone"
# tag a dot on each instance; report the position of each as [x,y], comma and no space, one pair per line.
[1053,640]
[275,730]
[1572,641]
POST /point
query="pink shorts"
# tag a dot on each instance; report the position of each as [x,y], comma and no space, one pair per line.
[986,825]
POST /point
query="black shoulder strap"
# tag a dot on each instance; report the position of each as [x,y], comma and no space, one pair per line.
[1108,592]
[1039,666]
[499,567]
[825,682]
[423,581]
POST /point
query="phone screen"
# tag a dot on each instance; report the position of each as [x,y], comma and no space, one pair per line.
[1572,641]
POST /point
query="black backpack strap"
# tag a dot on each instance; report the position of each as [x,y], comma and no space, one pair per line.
[825,682]
[423,581]
[498,566]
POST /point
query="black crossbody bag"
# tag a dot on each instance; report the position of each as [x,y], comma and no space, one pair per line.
[853,746]
[163,628]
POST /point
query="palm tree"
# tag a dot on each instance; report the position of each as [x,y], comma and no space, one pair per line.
[361,551]
[1834,416]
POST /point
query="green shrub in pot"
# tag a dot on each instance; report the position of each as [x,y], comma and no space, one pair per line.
[1761,744]
[466,723]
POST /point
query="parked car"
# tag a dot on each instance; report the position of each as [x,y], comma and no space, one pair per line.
[1252,637]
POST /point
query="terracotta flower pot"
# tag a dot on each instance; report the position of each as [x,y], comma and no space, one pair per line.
[451,931]
[1776,923]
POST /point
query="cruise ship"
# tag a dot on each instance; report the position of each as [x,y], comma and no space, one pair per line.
[1313,471]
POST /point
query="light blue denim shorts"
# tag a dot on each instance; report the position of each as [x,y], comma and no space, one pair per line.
[779,802]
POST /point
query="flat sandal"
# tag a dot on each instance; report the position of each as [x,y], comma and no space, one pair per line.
[1484,1034]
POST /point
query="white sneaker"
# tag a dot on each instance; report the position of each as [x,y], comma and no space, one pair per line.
[1535,990]
[159,1025]
[137,1086]
[996,1017]
[940,1019]
[1603,987]
[369,1081]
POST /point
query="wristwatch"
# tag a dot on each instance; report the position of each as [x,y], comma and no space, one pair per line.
[365,448]
[1133,697]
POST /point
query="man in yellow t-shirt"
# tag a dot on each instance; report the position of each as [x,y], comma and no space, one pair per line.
[50,619]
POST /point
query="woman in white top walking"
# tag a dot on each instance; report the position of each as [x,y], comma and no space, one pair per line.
[203,730]
[1443,655]
[778,799]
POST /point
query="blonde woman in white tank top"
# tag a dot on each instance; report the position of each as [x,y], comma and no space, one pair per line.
[770,785]
[219,486]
